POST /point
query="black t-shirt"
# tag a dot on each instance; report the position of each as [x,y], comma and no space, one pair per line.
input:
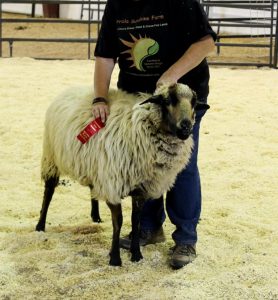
[148,36]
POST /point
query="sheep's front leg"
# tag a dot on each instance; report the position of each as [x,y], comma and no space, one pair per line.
[49,189]
[117,221]
[137,206]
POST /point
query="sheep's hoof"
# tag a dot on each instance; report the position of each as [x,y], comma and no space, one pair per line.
[96,220]
[115,262]
[135,257]
[40,227]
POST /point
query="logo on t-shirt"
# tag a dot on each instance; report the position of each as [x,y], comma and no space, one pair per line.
[139,50]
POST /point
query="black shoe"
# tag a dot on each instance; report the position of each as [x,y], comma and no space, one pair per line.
[182,255]
[147,237]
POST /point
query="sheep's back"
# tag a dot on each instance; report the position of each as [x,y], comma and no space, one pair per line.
[66,115]
[105,160]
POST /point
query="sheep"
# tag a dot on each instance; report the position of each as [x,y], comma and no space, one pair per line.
[145,143]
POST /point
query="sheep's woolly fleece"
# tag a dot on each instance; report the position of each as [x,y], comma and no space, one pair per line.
[123,154]
[237,248]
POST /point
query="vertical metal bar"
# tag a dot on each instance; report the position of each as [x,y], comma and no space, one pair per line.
[33,10]
[11,48]
[271,33]
[218,39]
[89,31]
[276,40]
[0,28]
[98,16]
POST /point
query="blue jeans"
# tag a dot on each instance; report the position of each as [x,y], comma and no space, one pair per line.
[183,201]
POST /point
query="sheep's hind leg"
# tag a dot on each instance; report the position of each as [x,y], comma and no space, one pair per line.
[117,221]
[137,206]
[49,189]
[95,211]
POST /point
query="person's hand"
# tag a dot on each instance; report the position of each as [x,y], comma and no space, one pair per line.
[167,78]
[101,110]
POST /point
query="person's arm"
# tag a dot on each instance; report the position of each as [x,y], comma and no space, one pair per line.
[102,76]
[192,57]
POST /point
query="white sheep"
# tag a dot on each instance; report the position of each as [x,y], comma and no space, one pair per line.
[145,143]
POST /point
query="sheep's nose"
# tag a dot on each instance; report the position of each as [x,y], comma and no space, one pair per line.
[184,129]
[185,125]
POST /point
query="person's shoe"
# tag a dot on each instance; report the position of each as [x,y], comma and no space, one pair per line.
[147,237]
[182,255]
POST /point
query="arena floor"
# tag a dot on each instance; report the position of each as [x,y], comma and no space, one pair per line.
[237,248]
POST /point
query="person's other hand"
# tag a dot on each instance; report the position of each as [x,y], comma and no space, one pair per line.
[101,110]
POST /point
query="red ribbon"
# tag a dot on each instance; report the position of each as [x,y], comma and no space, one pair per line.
[90,130]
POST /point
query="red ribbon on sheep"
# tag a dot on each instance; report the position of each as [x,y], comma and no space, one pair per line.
[90,130]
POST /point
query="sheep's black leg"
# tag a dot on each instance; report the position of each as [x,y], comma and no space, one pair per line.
[95,211]
[117,221]
[137,205]
[49,189]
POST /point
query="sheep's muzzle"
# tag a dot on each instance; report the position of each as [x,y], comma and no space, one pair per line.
[184,130]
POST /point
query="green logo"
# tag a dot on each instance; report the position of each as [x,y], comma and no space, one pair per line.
[139,50]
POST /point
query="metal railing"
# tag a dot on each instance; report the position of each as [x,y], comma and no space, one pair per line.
[11,40]
[267,23]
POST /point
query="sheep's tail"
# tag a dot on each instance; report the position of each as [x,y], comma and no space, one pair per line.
[48,166]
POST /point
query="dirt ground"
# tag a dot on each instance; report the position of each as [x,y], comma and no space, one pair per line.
[237,248]
[80,51]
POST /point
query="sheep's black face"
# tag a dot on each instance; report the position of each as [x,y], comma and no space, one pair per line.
[178,104]
[182,130]
[178,110]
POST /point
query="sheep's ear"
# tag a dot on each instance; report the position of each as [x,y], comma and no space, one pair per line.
[194,99]
[201,106]
[197,104]
[158,99]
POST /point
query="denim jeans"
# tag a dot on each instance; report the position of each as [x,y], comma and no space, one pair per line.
[183,201]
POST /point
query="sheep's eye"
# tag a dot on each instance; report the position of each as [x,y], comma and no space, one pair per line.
[167,102]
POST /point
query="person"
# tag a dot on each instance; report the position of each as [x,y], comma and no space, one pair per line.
[156,42]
